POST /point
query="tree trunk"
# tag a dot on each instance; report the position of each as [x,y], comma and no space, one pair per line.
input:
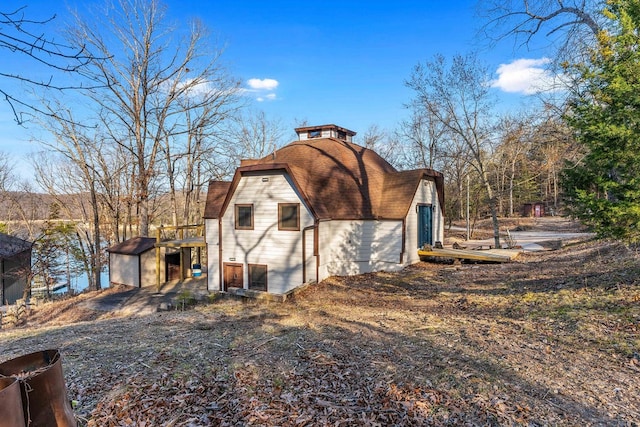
[511,179]
[96,262]
[494,211]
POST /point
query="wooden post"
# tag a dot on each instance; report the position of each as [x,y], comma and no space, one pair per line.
[468,221]
[181,264]
[158,259]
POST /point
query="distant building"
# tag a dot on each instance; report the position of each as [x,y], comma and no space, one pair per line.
[15,267]
[318,207]
[535,209]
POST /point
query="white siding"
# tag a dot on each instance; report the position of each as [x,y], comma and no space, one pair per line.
[354,247]
[324,133]
[124,270]
[311,263]
[280,250]
[148,266]
[213,256]
[425,194]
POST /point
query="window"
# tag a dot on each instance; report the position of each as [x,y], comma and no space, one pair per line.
[244,217]
[342,135]
[315,133]
[289,216]
[258,277]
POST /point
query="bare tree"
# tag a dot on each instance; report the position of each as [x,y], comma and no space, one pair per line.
[459,98]
[114,172]
[80,148]
[425,136]
[514,141]
[6,171]
[384,144]
[253,135]
[569,25]
[22,36]
[552,145]
[146,73]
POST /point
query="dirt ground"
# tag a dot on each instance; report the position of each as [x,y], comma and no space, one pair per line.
[550,339]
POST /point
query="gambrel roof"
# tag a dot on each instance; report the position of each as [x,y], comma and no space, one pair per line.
[337,180]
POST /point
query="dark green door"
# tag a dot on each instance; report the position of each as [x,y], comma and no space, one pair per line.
[425,225]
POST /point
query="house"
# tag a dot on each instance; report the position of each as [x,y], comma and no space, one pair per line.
[318,207]
[15,267]
[133,262]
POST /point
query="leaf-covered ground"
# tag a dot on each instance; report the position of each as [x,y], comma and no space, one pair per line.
[551,339]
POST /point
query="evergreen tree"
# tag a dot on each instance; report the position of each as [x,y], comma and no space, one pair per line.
[603,188]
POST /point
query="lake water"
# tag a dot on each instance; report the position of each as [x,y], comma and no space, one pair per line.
[81,283]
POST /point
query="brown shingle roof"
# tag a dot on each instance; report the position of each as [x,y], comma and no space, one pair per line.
[341,180]
[337,179]
[215,198]
[133,246]
[11,246]
[400,187]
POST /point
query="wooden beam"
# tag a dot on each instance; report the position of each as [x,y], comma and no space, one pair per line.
[466,254]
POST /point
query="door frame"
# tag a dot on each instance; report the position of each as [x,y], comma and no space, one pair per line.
[422,239]
[224,274]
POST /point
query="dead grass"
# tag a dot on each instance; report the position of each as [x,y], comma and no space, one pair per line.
[483,229]
[553,339]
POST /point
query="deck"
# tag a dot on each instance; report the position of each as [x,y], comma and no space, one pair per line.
[490,255]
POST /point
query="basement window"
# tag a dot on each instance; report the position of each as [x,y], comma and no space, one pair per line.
[289,216]
[258,277]
[244,217]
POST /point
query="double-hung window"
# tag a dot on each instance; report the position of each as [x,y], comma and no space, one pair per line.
[244,217]
[289,216]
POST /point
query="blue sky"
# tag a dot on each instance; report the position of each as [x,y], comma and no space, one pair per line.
[341,62]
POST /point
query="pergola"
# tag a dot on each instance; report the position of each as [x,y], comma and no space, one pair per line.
[188,237]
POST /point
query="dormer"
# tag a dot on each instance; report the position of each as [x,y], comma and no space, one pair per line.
[324,131]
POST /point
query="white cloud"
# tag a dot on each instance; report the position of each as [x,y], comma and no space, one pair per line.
[197,88]
[262,84]
[194,88]
[262,89]
[267,97]
[526,76]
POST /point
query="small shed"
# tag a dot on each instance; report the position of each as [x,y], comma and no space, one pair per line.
[15,267]
[535,209]
[133,262]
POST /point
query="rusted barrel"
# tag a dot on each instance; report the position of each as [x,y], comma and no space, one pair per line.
[11,413]
[43,391]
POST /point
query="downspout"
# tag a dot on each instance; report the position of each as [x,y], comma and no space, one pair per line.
[316,248]
[404,239]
